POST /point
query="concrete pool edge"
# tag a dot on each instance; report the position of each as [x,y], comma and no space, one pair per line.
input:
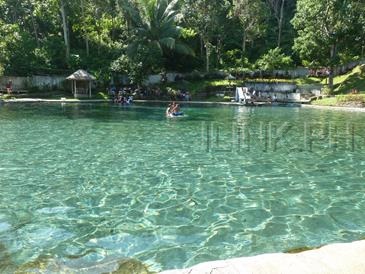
[40,100]
[334,258]
[353,109]
[298,104]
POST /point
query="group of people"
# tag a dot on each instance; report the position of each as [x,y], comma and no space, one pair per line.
[173,110]
[123,99]
[123,96]
[183,95]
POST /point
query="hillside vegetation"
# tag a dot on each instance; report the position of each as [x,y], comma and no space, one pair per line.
[142,37]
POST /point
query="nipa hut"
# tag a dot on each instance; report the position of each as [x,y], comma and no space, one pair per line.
[81,83]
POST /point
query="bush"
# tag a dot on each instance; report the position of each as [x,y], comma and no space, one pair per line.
[326,90]
[102,95]
[235,64]
[274,59]
[241,73]
[172,93]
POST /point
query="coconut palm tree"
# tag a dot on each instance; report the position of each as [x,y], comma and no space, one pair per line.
[154,25]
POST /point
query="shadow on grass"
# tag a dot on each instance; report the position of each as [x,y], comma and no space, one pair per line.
[353,81]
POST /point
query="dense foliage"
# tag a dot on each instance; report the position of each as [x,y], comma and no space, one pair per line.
[152,36]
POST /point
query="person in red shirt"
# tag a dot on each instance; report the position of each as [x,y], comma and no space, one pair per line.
[9,87]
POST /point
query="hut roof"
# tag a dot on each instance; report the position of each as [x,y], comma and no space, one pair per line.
[81,75]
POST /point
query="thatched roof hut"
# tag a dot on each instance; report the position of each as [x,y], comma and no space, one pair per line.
[81,83]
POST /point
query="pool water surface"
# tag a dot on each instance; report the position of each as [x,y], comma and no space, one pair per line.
[84,183]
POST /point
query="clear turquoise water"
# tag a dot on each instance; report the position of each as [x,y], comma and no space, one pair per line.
[97,181]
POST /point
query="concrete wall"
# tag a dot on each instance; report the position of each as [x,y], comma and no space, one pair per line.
[47,81]
[314,88]
[272,87]
[18,82]
[292,73]
[156,78]
[24,83]
[294,97]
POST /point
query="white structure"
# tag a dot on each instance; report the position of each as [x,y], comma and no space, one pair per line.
[85,79]
[242,95]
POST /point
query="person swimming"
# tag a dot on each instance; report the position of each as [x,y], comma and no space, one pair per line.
[169,110]
[173,110]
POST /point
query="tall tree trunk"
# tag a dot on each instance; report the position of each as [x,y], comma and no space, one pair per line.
[34,23]
[65,30]
[207,55]
[201,46]
[332,66]
[280,23]
[219,51]
[207,59]
[244,39]
[330,78]
[85,34]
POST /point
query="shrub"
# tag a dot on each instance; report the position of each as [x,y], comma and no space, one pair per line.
[172,93]
[274,59]
[102,95]
[326,90]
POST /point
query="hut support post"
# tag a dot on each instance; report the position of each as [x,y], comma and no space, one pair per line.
[75,88]
[89,89]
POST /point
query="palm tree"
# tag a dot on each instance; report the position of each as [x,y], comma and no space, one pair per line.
[153,25]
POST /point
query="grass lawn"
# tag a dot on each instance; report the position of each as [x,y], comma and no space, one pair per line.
[354,79]
[343,84]
[351,100]
[331,101]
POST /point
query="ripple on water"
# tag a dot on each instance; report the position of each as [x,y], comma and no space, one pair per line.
[108,182]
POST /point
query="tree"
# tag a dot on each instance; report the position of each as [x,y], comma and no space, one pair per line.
[204,17]
[277,7]
[65,29]
[359,7]
[326,28]
[155,31]
[251,14]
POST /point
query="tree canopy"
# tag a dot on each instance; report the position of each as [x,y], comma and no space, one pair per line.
[151,36]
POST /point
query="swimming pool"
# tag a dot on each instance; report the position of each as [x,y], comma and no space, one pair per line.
[84,183]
